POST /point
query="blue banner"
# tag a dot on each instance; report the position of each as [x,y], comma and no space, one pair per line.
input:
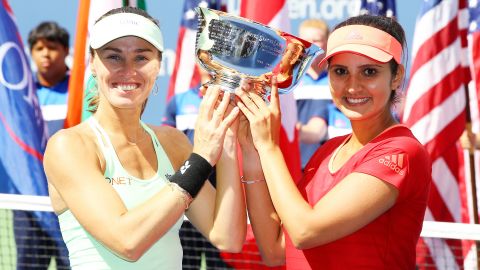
[22,131]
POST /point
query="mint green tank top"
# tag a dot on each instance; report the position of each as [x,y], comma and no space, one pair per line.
[85,252]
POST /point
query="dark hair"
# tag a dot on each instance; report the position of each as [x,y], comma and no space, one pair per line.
[386,24]
[50,31]
[92,100]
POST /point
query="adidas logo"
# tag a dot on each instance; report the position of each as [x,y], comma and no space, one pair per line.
[185,167]
[394,162]
[354,35]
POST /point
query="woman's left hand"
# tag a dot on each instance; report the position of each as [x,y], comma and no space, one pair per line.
[265,120]
[212,123]
[233,128]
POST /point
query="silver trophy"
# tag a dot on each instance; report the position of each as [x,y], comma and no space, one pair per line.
[238,51]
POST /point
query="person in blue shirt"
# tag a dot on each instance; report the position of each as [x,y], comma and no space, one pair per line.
[318,117]
[182,109]
[312,94]
[49,47]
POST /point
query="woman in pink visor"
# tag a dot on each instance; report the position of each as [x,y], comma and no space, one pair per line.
[362,199]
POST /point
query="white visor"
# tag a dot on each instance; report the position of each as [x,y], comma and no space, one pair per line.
[125,24]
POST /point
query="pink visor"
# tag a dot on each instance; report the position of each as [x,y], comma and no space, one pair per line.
[364,40]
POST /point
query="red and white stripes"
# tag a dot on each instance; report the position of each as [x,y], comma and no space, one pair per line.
[435,111]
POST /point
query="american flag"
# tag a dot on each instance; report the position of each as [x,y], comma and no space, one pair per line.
[378,7]
[185,75]
[434,109]
[474,49]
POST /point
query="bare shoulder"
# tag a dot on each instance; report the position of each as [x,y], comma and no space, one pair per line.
[68,144]
[175,143]
[77,137]
[70,158]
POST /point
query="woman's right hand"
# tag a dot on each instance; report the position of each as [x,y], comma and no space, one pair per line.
[251,160]
[212,124]
[244,133]
[264,120]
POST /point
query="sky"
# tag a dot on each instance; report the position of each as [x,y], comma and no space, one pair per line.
[30,13]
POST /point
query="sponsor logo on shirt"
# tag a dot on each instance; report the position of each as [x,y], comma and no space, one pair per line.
[394,162]
[120,180]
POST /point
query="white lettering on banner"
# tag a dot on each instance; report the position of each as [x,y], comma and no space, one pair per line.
[26,82]
[4,48]
[326,9]
[303,9]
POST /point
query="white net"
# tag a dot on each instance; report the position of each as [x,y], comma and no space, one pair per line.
[445,245]
[25,242]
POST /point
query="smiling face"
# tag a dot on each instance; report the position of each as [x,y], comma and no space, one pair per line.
[361,87]
[126,70]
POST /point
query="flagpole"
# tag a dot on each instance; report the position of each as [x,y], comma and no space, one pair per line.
[76,82]
[471,162]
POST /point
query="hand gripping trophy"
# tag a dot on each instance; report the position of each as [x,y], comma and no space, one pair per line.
[235,51]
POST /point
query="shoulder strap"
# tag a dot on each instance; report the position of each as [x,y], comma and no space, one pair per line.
[164,164]
[105,145]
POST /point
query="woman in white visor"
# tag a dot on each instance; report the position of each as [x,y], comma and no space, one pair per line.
[121,187]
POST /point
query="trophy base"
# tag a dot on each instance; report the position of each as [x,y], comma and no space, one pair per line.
[229,83]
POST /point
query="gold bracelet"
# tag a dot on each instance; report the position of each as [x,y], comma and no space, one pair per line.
[185,196]
[248,182]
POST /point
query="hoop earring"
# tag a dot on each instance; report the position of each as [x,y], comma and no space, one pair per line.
[92,85]
[155,89]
